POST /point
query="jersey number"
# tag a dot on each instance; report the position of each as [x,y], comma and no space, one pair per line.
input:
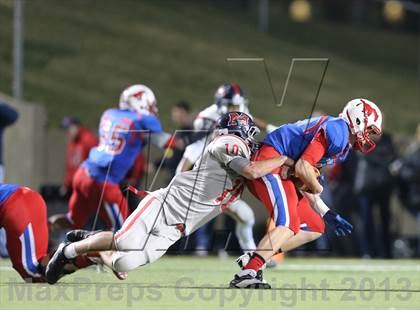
[112,140]
[232,149]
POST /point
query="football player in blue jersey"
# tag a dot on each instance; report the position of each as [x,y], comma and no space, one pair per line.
[123,132]
[311,144]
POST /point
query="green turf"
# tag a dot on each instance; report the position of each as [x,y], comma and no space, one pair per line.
[199,283]
[81,53]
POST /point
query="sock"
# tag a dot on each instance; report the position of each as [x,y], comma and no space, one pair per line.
[255,263]
[82,261]
[70,251]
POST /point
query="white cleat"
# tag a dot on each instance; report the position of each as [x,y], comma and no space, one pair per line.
[249,278]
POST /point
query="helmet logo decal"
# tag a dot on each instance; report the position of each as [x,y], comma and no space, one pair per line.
[369,110]
[237,119]
[139,94]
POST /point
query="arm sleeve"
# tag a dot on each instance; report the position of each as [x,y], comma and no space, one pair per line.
[160,139]
[238,164]
[316,149]
[157,136]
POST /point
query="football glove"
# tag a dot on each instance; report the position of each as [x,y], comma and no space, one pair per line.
[340,226]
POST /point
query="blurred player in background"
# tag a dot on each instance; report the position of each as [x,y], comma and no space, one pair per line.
[374,186]
[180,114]
[229,97]
[123,133]
[80,141]
[191,199]
[182,119]
[315,142]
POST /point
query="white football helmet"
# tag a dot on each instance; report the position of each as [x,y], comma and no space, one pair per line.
[364,118]
[138,98]
[230,94]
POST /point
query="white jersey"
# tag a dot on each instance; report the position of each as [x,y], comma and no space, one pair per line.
[195,197]
[205,120]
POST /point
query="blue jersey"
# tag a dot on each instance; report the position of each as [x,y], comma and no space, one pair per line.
[121,139]
[6,190]
[292,139]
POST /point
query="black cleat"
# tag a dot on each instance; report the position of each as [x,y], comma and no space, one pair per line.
[248,278]
[259,276]
[55,267]
[80,234]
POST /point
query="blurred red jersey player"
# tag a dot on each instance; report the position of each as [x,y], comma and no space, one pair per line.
[80,141]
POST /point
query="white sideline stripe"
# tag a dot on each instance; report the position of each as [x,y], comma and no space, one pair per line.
[297,267]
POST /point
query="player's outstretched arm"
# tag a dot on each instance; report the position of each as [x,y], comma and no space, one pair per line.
[256,169]
[165,140]
[339,225]
[264,125]
[306,173]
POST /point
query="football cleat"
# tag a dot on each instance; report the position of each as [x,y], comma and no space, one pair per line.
[80,234]
[121,275]
[260,276]
[55,267]
[249,278]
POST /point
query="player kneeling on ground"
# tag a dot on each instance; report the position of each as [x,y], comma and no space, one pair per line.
[23,214]
[191,199]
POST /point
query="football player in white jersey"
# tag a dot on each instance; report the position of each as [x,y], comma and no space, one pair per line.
[229,97]
[191,199]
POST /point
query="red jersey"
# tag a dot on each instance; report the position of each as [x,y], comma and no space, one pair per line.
[77,151]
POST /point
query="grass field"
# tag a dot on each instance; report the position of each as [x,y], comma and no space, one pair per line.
[80,54]
[200,283]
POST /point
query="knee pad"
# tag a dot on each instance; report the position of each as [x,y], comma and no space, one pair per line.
[127,261]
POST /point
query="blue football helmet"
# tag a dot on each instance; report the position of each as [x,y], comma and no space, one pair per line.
[241,125]
[230,94]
